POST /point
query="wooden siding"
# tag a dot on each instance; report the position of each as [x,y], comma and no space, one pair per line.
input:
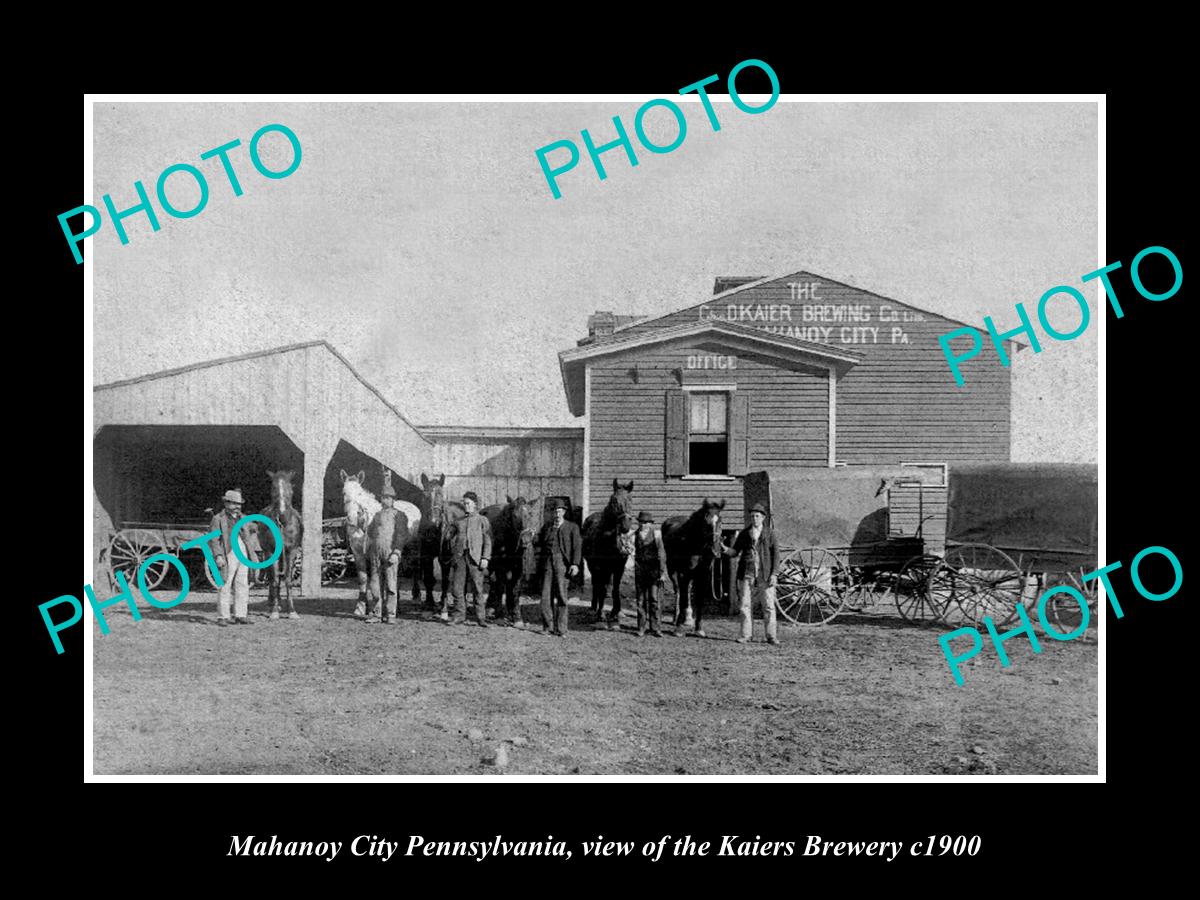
[901,403]
[308,390]
[788,425]
[496,467]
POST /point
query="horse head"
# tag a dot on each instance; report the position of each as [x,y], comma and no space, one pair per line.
[708,521]
[619,504]
[281,487]
[435,495]
[358,504]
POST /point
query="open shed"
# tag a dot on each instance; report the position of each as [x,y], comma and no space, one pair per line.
[168,444]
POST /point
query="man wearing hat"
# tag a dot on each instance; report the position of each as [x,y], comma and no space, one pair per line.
[757,573]
[470,550]
[649,571]
[386,536]
[562,554]
[233,571]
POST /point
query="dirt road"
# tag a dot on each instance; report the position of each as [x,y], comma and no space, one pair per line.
[330,695]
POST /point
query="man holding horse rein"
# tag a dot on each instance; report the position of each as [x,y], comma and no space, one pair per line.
[470,550]
[757,573]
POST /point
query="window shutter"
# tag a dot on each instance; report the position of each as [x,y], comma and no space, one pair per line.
[677,433]
[739,433]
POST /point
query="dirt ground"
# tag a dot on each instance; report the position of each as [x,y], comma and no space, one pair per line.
[175,694]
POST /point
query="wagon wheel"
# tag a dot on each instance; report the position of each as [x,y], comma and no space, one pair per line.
[297,568]
[860,591]
[130,548]
[208,573]
[1064,610]
[810,586]
[910,590]
[333,564]
[980,581]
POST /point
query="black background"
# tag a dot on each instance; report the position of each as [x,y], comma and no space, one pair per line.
[145,830]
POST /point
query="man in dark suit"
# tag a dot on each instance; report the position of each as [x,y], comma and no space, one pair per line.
[757,573]
[562,554]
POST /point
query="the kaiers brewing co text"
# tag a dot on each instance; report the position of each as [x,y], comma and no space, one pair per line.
[144,205]
[622,139]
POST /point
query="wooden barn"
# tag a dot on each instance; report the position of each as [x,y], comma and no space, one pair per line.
[497,463]
[770,373]
[168,444]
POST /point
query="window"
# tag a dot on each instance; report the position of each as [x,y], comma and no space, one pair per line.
[708,435]
[707,432]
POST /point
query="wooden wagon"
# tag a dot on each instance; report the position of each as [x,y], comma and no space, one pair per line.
[134,543]
[842,546]
[1010,531]
[1014,530]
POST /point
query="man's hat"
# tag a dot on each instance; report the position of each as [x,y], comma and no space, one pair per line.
[388,490]
[471,495]
[644,516]
[233,497]
[558,503]
[759,508]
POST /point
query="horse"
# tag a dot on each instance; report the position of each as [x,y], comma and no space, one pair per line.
[284,514]
[359,506]
[513,557]
[607,546]
[693,545]
[429,538]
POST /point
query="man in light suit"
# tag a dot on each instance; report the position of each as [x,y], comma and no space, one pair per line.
[470,550]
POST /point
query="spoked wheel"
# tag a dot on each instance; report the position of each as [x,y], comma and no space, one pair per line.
[1064,610]
[333,565]
[981,581]
[810,587]
[910,590]
[860,592]
[131,547]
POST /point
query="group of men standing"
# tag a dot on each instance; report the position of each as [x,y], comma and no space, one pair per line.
[560,548]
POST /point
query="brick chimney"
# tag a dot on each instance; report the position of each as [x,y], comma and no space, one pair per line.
[601,324]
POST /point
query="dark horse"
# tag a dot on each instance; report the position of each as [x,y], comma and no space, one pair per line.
[607,546]
[694,547]
[284,514]
[429,540]
[512,553]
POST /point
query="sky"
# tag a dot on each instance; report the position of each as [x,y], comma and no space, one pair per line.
[423,242]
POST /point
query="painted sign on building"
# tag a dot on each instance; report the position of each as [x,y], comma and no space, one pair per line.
[828,323]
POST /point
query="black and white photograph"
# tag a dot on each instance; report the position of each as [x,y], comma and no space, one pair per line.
[528,437]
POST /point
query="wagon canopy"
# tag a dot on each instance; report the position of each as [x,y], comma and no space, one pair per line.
[1042,514]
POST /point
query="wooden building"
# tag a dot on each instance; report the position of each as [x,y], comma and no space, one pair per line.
[168,444]
[497,463]
[794,371]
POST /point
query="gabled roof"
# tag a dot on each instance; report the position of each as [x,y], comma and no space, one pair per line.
[225,360]
[734,335]
[728,286]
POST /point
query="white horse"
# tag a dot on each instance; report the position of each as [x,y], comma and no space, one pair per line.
[360,506]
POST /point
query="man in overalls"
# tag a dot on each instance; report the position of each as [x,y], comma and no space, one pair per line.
[649,573]
[386,536]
